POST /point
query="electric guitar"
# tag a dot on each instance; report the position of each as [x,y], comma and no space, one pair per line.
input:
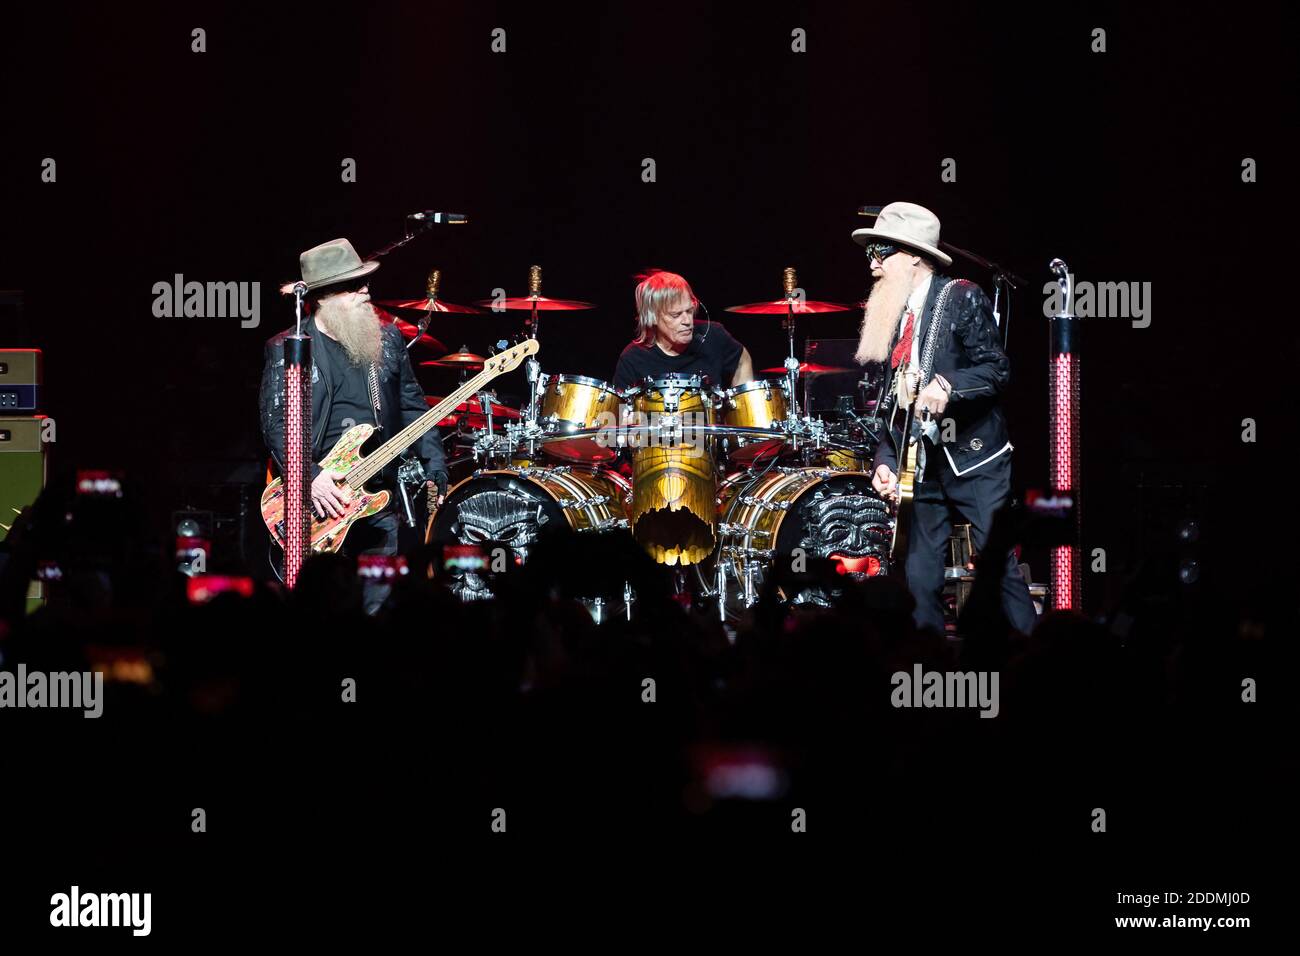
[907,461]
[345,458]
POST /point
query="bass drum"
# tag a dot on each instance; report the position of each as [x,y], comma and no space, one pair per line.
[765,518]
[512,507]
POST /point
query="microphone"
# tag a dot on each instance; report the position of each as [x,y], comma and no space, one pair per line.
[439,218]
[1064,282]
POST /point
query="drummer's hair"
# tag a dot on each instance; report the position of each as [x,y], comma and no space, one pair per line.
[656,289]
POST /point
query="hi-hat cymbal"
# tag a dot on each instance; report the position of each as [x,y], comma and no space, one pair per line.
[529,302]
[429,305]
[811,368]
[471,412]
[785,306]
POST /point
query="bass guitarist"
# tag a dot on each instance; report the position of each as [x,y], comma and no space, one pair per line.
[361,374]
[938,335]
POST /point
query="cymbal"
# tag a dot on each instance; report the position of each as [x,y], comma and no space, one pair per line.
[471,412]
[426,341]
[784,306]
[462,359]
[811,368]
[527,302]
[409,332]
[429,305]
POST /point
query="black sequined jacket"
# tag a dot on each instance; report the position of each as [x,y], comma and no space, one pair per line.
[967,351]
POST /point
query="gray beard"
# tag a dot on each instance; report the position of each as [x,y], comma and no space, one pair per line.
[880,318]
[355,328]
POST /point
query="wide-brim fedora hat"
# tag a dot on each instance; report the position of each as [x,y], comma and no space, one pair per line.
[906,224]
[331,263]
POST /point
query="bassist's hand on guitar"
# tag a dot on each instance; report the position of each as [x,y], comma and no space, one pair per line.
[327,497]
[436,488]
[885,482]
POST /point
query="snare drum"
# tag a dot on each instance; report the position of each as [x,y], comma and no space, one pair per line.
[571,403]
[762,403]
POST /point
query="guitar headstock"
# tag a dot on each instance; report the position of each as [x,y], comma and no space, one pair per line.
[511,358]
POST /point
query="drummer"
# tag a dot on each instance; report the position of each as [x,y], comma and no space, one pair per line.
[670,341]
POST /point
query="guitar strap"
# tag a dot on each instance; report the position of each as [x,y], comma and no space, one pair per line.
[372,382]
[930,345]
[926,372]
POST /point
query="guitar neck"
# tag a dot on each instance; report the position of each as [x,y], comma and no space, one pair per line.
[408,436]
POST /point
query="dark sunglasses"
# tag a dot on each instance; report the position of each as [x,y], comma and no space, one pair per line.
[880,250]
[352,285]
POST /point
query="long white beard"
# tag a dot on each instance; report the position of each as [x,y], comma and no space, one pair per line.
[356,328]
[880,317]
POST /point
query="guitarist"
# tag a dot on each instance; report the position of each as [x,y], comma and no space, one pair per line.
[361,373]
[955,370]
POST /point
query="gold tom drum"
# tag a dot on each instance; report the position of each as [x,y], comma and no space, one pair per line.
[673,508]
[758,404]
[571,403]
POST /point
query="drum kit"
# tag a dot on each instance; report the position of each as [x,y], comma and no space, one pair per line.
[725,481]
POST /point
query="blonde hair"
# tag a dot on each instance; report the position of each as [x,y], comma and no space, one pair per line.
[655,291]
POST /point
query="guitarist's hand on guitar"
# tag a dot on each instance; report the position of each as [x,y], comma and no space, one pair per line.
[885,482]
[327,497]
[933,399]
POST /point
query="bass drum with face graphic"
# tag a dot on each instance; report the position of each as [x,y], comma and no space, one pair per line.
[764,518]
[512,507]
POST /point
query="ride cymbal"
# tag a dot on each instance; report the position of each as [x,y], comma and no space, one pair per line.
[785,306]
[429,305]
[527,303]
[810,368]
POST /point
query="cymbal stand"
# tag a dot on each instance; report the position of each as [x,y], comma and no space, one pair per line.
[430,287]
[790,283]
[532,367]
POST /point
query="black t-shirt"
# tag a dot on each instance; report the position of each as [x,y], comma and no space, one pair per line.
[350,398]
[712,352]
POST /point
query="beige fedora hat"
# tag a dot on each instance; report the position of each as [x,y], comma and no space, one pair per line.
[331,262]
[906,224]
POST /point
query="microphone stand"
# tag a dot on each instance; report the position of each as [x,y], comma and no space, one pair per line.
[1004,280]
[422,225]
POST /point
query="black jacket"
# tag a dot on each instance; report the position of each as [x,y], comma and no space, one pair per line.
[401,399]
[969,354]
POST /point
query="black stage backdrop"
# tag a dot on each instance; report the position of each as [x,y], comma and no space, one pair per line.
[224,165]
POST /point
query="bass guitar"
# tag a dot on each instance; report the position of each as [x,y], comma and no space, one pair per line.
[345,459]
